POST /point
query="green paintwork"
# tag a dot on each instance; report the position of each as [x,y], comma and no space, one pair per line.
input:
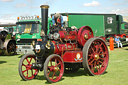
[30,32]
[121,29]
[96,22]
[123,26]
[119,22]
[33,35]
[124,29]
[110,24]
[101,24]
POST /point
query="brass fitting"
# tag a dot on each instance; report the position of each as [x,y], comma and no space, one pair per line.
[85,36]
[33,43]
[44,6]
[48,45]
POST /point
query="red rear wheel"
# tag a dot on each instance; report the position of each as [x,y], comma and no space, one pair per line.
[95,56]
[25,70]
[53,68]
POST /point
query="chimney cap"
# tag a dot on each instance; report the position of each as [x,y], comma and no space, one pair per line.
[44,6]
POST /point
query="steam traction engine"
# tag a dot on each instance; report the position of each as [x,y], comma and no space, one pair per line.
[64,50]
[7,43]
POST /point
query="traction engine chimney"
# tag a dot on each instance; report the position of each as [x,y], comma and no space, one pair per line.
[44,18]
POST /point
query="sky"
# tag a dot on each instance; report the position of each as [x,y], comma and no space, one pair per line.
[11,9]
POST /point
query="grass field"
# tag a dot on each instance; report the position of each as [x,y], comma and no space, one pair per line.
[116,73]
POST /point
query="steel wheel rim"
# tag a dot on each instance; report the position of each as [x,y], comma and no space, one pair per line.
[55,69]
[28,73]
[11,48]
[97,57]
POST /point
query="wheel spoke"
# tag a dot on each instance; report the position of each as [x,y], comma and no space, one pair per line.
[50,62]
[92,50]
[27,73]
[91,62]
[100,62]
[97,59]
[25,70]
[100,51]
[49,73]
[53,71]
[102,59]
[24,65]
[96,48]
[28,61]
[36,71]
[99,48]
[92,68]
[97,68]
[105,53]
[57,65]
[32,72]
[55,61]
[50,67]
[53,75]
[103,64]
[90,55]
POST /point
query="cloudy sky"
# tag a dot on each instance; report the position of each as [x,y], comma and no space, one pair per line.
[11,9]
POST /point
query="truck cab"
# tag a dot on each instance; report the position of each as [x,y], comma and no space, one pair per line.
[29,29]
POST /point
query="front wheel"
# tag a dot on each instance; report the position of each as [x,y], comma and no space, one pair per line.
[95,56]
[25,70]
[53,68]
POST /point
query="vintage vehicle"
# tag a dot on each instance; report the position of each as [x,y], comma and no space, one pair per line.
[108,25]
[7,39]
[10,28]
[28,30]
[7,43]
[67,50]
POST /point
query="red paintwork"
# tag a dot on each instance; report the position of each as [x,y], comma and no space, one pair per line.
[73,32]
[72,35]
[99,48]
[51,72]
[70,56]
[59,48]
[27,65]
[82,31]
[121,35]
[62,34]
[69,49]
